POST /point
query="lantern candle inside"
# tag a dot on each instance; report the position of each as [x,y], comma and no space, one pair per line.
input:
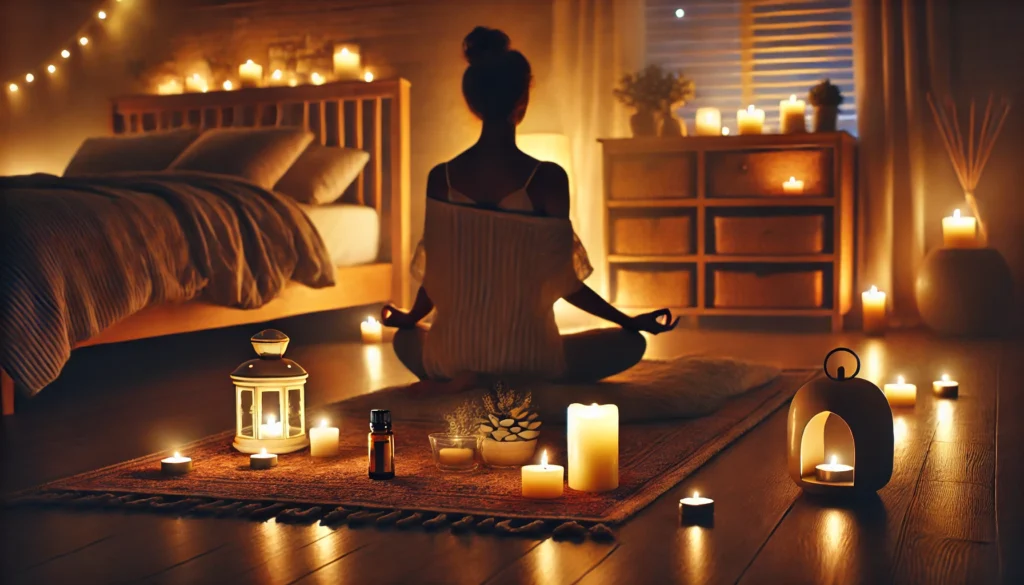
[834,472]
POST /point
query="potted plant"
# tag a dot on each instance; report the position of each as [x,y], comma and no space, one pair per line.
[509,427]
[826,99]
[650,92]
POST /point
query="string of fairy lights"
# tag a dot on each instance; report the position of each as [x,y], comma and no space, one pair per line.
[80,40]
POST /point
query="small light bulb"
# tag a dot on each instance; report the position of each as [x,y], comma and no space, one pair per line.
[101,15]
[13,87]
[368,76]
[725,131]
[29,78]
[65,53]
[51,68]
[680,13]
[83,41]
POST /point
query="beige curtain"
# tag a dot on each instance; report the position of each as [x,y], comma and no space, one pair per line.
[900,53]
[594,43]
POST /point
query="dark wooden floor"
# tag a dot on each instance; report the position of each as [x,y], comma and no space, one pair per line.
[953,513]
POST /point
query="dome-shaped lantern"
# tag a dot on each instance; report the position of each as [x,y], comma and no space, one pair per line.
[840,434]
[270,398]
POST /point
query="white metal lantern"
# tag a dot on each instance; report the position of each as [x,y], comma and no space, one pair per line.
[270,398]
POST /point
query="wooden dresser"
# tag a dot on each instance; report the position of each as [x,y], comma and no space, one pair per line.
[703,225]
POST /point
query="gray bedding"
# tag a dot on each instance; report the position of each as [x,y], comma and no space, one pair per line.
[81,253]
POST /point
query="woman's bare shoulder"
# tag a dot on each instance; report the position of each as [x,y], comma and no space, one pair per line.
[549,189]
[437,183]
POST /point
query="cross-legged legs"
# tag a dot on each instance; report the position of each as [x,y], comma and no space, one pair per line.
[599,353]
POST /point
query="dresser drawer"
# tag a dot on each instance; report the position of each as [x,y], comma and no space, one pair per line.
[761,173]
[770,235]
[652,176]
[652,234]
[749,289]
[653,286]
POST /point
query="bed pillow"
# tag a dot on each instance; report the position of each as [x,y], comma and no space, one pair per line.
[322,174]
[152,151]
[258,155]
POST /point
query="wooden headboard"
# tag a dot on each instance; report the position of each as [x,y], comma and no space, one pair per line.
[369,116]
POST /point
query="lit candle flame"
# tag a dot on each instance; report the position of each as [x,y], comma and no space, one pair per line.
[371,321]
[945,377]
[725,131]
[83,41]
[344,50]
[835,460]
[900,380]
[13,87]
[65,53]
[750,108]
[368,76]
[249,62]
[177,455]
[316,78]
[263,450]
[792,179]
[874,289]
[51,68]
[544,458]
[276,74]
[956,213]
[792,98]
[695,494]
[29,78]
[271,419]
[323,423]
[101,15]
[228,86]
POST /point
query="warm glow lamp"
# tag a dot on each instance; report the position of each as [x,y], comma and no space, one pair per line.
[270,404]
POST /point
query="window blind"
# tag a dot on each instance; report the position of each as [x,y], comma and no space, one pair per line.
[742,52]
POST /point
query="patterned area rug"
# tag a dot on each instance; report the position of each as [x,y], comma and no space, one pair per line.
[654,456]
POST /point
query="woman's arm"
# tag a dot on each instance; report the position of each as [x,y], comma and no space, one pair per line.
[585,299]
[393,317]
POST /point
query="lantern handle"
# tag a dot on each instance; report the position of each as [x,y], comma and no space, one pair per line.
[841,377]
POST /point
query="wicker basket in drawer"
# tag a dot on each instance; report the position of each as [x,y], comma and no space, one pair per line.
[757,173]
[651,288]
[652,236]
[764,236]
[661,176]
[737,289]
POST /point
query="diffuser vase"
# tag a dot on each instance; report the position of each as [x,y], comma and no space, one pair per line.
[671,126]
[965,292]
[825,118]
[643,123]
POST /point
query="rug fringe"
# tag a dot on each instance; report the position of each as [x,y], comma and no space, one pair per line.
[298,513]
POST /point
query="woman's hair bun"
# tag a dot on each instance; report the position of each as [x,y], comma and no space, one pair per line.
[483,43]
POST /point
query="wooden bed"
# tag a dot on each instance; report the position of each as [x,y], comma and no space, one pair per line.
[370,116]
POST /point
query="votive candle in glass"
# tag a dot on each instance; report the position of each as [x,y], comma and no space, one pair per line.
[750,121]
[708,122]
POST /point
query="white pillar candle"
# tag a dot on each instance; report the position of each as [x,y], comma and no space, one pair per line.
[900,394]
[543,482]
[696,510]
[250,74]
[793,187]
[959,232]
[272,429]
[750,121]
[592,433]
[873,304]
[347,62]
[708,122]
[262,460]
[946,388]
[371,330]
[834,472]
[792,116]
[323,440]
[455,456]
[176,464]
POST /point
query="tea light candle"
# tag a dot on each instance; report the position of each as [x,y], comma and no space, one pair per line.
[227,85]
[792,116]
[176,465]
[272,429]
[317,79]
[347,62]
[454,456]
[262,460]
[749,121]
[196,83]
[708,122]
[371,330]
[696,510]
[542,482]
[946,388]
[250,74]
[793,187]
[323,440]
[900,394]
[592,433]
[873,303]
[959,232]
[725,131]
[834,472]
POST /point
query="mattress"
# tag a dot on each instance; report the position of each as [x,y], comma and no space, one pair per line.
[351,233]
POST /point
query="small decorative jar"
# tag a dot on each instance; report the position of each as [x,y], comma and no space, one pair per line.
[270,399]
[840,434]
[455,453]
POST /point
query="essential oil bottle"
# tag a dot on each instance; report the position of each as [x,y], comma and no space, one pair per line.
[382,445]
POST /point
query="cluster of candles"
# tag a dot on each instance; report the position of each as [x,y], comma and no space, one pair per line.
[347,67]
[792,119]
[900,394]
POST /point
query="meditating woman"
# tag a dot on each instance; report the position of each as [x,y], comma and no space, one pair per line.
[498,250]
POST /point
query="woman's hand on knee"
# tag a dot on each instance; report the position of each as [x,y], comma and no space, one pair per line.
[654,322]
[392,317]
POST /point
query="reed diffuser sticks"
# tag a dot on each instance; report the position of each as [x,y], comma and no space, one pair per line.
[970,156]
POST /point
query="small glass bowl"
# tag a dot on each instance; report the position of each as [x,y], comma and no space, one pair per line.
[455,453]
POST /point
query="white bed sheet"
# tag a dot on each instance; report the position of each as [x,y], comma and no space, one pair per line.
[350,232]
